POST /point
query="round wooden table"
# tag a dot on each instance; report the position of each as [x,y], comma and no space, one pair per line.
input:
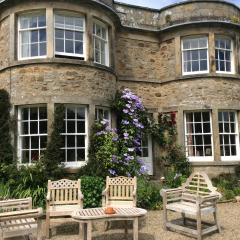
[87,216]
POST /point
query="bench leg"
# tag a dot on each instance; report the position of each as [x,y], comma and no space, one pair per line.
[47,225]
[165,220]
[126,227]
[216,219]
[39,229]
[89,230]
[184,218]
[199,226]
[135,228]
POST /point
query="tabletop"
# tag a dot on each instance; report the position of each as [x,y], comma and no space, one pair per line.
[97,213]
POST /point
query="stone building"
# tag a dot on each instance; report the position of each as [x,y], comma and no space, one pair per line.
[182,58]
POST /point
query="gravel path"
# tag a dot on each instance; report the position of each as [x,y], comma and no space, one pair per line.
[151,228]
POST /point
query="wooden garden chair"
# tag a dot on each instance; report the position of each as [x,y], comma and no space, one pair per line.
[63,197]
[197,197]
[120,192]
[17,218]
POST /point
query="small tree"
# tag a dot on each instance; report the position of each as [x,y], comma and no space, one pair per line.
[6,149]
[54,155]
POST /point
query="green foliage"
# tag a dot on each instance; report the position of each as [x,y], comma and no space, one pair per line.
[102,148]
[148,194]
[92,188]
[27,181]
[54,155]
[173,179]
[6,149]
[228,185]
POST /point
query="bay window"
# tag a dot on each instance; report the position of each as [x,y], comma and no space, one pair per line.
[195,55]
[75,135]
[32,133]
[198,136]
[32,35]
[100,43]
[224,55]
[228,134]
[69,35]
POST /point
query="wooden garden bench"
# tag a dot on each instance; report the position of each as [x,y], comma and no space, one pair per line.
[17,218]
[120,192]
[63,197]
[197,197]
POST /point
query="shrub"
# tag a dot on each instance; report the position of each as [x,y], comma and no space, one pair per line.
[92,188]
[148,194]
[6,149]
[228,185]
[54,155]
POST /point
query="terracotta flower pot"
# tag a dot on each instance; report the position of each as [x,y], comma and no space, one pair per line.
[109,210]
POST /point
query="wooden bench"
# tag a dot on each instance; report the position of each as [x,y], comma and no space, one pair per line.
[197,197]
[63,197]
[17,218]
[120,192]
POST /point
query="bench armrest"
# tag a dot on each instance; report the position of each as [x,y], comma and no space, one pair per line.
[166,192]
[105,191]
[80,195]
[210,198]
[31,213]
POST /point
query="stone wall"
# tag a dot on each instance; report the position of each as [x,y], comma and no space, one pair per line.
[58,82]
[4,42]
[144,60]
[153,19]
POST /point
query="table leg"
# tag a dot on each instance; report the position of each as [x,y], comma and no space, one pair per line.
[135,228]
[89,230]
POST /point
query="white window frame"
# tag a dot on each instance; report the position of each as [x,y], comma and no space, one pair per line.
[20,121]
[102,25]
[199,158]
[184,50]
[75,164]
[70,14]
[97,108]
[29,29]
[231,54]
[237,156]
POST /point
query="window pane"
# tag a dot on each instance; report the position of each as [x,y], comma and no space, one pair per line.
[59,33]
[202,43]
[59,45]
[34,50]
[199,140]
[80,113]
[25,37]
[24,128]
[25,143]
[207,139]
[195,66]
[195,55]
[81,155]
[203,65]
[69,46]
[42,127]
[34,36]
[208,151]
[79,36]
[197,117]
[198,128]
[71,141]
[43,142]
[33,22]
[71,155]
[71,127]
[69,35]
[206,128]
[203,54]
[25,157]
[42,35]
[34,127]
[81,127]
[34,142]
[70,113]
[233,150]
[42,49]
[78,47]
[42,21]
[186,44]
[25,50]
[80,141]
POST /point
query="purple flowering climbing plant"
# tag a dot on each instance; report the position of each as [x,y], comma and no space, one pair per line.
[115,152]
[131,117]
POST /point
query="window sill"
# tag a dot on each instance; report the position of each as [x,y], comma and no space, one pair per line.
[215,163]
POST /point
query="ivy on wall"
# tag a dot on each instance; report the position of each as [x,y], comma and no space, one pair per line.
[6,149]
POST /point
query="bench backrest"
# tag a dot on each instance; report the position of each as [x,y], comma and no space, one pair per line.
[121,191]
[199,184]
[64,191]
[15,204]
